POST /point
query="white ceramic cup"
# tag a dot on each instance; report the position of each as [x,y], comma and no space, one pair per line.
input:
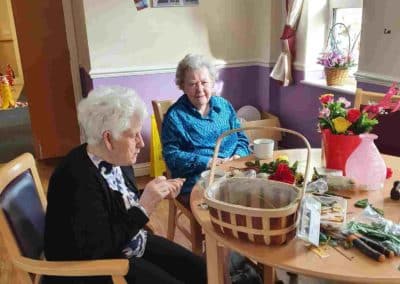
[218,175]
[262,148]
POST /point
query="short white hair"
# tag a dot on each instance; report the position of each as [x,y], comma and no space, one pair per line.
[109,108]
[194,62]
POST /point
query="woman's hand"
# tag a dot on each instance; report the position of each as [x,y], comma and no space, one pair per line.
[153,193]
[158,189]
[175,186]
[221,161]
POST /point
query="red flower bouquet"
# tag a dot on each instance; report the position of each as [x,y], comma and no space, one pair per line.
[279,170]
[283,173]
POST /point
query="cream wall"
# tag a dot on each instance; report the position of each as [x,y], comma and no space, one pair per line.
[119,37]
[379,52]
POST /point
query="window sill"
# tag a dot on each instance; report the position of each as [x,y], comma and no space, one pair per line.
[348,88]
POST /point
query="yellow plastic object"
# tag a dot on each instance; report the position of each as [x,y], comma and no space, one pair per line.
[157,165]
[6,95]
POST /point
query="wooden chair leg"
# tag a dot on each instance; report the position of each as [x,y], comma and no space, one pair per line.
[269,275]
[171,220]
[196,237]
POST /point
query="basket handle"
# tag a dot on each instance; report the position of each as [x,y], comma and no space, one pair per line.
[229,132]
[331,30]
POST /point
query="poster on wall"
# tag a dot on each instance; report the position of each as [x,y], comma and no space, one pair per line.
[141,4]
[174,3]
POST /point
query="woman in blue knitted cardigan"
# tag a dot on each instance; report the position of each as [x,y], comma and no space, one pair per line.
[192,125]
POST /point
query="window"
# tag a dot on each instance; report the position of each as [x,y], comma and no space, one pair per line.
[350,14]
[174,3]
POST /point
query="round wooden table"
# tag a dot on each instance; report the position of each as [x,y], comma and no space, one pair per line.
[295,256]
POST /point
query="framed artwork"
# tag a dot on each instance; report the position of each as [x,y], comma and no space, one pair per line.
[141,4]
[174,3]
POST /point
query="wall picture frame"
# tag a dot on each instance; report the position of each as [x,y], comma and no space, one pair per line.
[174,3]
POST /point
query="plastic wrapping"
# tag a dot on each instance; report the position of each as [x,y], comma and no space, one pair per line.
[319,186]
[373,225]
[310,216]
[333,211]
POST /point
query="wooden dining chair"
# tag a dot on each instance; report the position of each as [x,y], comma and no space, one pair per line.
[268,120]
[22,217]
[387,141]
[178,206]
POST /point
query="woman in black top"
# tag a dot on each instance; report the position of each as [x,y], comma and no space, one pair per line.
[94,209]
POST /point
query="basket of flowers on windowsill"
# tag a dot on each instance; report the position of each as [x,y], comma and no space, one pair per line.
[336,62]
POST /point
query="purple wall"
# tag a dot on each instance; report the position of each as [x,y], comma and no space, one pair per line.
[296,106]
[242,86]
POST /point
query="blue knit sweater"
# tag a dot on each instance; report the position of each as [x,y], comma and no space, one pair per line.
[189,139]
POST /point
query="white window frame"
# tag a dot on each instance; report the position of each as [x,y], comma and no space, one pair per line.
[334,4]
[312,70]
[337,4]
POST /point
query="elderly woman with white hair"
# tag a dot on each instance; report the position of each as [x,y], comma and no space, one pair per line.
[192,125]
[94,208]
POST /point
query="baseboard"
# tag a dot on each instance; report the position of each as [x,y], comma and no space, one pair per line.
[142,169]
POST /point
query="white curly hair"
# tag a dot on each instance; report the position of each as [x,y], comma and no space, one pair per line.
[109,108]
[194,62]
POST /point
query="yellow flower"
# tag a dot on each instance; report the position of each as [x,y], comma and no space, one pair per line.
[341,124]
[283,158]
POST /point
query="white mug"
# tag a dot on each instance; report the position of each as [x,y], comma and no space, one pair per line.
[262,148]
[218,176]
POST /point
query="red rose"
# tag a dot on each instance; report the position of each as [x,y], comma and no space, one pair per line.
[389,172]
[353,114]
[283,173]
[325,99]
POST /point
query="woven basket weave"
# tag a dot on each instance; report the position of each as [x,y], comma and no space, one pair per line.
[336,76]
[243,214]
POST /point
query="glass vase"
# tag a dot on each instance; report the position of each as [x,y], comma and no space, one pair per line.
[365,165]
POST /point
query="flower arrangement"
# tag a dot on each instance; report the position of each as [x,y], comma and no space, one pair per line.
[339,118]
[279,170]
[335,59]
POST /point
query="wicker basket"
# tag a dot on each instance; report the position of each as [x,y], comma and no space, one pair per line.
[336,76]
[237,210]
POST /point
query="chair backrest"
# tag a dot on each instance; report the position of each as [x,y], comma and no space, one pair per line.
[364,97]
[22,204]
[160,108]
[387,141]
[268,119]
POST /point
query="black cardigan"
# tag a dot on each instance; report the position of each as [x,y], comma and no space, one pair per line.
[86,219]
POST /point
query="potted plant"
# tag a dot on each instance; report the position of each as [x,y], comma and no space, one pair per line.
[336,61]
[341,125]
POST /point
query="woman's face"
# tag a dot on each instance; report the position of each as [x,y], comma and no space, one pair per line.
[125,149]
[198,86]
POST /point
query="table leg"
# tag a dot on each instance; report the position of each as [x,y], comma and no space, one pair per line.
[269,274]
[215,263]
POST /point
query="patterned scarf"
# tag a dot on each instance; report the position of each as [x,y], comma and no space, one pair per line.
[115,180]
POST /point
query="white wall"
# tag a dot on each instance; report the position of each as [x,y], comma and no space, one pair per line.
[120,37]
[379,52]
[80,33]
